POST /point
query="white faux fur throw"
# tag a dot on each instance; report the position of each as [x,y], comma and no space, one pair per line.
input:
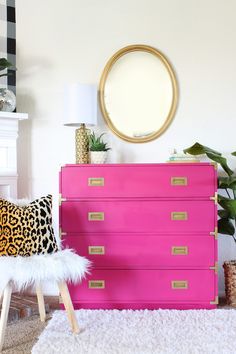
[20,202]
[63,265]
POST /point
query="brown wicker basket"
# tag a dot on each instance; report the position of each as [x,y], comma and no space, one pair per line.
[230,282]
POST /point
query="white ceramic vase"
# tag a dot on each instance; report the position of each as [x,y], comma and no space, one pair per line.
[98,156]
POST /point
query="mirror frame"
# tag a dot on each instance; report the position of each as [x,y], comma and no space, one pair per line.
[111,62]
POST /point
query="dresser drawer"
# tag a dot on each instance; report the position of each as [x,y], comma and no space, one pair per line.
[130,251]
[165,216]
[152,286]
[138,180]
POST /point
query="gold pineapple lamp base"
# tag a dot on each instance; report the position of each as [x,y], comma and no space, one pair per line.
[82,144]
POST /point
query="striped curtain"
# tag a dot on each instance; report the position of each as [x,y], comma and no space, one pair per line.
[8,40]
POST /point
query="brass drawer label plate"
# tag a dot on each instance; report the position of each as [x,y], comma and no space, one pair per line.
[96,216]
[179,181]
[96,182]
[179,250]
[179,284]
[179,215]
[96,284]
[96,250]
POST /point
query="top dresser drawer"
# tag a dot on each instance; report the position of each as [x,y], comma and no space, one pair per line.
[138,180]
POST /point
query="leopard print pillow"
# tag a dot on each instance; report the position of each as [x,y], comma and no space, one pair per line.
[27,230]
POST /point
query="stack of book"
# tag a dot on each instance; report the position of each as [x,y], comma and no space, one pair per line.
[175,157]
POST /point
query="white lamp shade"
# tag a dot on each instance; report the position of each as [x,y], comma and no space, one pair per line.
[80,105]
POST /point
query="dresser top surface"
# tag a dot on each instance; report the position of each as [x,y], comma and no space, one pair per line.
[172,164]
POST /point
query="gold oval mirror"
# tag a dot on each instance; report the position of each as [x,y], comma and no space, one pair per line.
[138,93]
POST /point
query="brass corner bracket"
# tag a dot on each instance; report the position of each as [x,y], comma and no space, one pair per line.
[61,199]
[215,164]
[215,267]
[215,233]
[61,233]
[216,301]
[215,198]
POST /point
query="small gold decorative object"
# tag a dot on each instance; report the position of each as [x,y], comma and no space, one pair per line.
[82,145]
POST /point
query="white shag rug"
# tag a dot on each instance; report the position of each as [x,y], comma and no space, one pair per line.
[141,332]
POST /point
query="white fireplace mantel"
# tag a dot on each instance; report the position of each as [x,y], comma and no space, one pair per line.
[9,124]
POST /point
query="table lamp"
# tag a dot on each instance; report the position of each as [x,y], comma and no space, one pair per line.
[81,110]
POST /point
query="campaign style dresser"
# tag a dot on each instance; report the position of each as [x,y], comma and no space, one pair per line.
[150,231]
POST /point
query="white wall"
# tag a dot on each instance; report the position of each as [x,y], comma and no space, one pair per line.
[60,42]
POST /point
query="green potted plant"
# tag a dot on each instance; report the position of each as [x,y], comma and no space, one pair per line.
[98,148]
[226,212]
[4,64]
[7,97]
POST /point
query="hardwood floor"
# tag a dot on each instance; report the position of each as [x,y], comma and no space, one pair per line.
[25,306]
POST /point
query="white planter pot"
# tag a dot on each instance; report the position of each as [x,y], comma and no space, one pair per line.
[98,156]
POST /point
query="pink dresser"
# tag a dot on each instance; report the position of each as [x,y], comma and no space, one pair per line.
[150,231]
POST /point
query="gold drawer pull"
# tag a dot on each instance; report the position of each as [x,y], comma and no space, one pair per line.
[96,216]
[179,250]
[179,215]
[179,284]
[96,182]
[179,181]
[96,249]
[96,284]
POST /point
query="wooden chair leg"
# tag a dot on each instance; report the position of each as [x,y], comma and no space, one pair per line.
[41,304]
[68,306]
[4,314]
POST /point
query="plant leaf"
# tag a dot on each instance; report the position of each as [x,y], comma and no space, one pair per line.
[223,214]
[229,205]
[226,227]
[221,160]
[222,197]
[223,182]
[233,182]
[7,74]
[96,143]
[4,64]
[227,182]
[234,153]
[199,149]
